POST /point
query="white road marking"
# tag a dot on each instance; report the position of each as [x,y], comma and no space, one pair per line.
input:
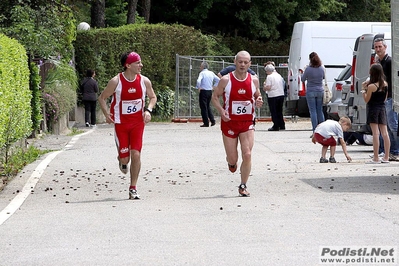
[19,199]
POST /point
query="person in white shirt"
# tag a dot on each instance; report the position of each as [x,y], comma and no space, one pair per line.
[274,88]
[206,81]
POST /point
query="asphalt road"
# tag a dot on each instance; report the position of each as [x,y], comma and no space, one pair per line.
[71,207]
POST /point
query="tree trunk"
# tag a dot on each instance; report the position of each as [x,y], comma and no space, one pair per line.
[131,11]
[146,10]
[98,14]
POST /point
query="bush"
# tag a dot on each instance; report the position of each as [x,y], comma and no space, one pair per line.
[36,101]
[59,92]
[165,105]
[157,44]
[15,96]
[52,108]
[17,161]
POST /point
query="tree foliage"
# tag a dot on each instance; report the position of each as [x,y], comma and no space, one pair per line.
[44,30]
[362,10]
[115,13]
[263,19]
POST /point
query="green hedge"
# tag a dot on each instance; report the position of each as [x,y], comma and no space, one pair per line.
[157,44]
[36,101]
[15,96]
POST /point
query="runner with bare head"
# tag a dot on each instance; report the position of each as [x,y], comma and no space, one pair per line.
[241,94]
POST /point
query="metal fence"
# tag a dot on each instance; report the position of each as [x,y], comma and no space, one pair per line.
[187,71]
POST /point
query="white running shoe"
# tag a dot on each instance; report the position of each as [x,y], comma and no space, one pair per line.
[133,194]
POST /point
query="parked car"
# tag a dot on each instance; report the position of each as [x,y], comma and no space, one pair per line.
[344,78]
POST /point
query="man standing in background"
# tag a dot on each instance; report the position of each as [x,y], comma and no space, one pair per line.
[380,47]
[205,83]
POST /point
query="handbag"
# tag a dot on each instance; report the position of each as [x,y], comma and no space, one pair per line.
[327,95]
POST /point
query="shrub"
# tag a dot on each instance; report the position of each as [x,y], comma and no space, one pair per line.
[52,108]
[59,92]
[36,101]
[15,96]
[165,104]
[158,44]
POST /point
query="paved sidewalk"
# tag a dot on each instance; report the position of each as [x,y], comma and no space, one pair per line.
[190,213]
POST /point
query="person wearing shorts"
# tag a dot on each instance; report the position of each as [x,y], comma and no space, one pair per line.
[128,113]
[241,94]
[325,134]
[375,93]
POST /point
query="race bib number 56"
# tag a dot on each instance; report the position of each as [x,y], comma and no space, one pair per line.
[131,107]
[241,107]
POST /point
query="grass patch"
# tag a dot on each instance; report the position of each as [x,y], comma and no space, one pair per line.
[17,161]
[75,131]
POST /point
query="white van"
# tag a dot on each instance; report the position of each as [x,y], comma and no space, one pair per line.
[333,41]
[354,105]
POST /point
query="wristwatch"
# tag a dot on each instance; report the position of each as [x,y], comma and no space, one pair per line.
[148,110]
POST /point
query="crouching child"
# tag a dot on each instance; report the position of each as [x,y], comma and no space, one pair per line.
[326,134]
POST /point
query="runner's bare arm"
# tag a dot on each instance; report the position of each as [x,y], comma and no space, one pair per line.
[153,100]
[106,93]
[257,95]
[150,93]
[217,93]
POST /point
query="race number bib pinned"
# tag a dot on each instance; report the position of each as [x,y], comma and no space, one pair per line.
[241,107]
[131,107]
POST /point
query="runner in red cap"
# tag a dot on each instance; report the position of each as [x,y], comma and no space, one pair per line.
[129,114]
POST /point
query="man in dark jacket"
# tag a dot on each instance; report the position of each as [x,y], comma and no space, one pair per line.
[89,90]
[380,47]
